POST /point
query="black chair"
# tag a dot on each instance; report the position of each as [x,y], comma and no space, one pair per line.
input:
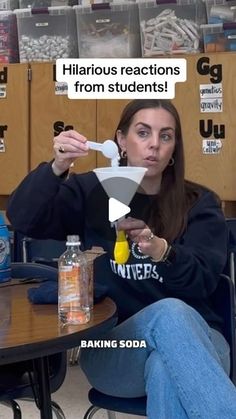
[44,251]
[25,387]
[224,301]
[33,270]
[231,224]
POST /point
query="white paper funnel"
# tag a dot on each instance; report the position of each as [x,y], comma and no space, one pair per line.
[120,182]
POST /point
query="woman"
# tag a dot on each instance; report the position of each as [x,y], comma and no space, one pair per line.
[178,241]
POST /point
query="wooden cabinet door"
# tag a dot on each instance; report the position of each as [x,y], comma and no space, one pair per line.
[216,170]
[14,125]
[52,113]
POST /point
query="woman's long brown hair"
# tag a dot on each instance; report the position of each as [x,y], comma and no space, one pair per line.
[168,214]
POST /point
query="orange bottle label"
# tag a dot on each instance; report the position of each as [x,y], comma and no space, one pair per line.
[69,285]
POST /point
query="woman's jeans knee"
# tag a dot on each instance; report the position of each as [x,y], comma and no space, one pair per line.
[181,347]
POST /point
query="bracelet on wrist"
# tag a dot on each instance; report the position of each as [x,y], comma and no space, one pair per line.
[168,255]
[163,254]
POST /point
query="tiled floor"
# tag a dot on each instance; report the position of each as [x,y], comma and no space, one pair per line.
[72,398]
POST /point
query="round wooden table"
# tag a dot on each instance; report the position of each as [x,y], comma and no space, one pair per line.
[31,331]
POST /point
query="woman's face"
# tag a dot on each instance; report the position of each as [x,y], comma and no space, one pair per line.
[150,140]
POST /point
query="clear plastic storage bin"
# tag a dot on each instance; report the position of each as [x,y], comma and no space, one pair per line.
[221,11]
[36,4]
[8,37]
[108,30]
[47,34]
[9,4]
[171,28]
[219,37]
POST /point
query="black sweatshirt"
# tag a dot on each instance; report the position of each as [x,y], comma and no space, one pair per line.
[48,206]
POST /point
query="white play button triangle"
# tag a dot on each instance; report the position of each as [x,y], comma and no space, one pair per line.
[116,210]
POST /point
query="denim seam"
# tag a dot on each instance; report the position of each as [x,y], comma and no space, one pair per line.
[154,333]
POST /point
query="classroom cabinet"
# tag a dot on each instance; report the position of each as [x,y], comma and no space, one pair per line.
[14,125]
[210,136]
[31,114]
[34,108]
[206,103]
[52,112]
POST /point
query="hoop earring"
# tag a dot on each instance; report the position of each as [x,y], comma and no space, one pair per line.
[171,162]
[123,154]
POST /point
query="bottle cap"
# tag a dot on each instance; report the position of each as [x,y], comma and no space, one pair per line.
[73,239]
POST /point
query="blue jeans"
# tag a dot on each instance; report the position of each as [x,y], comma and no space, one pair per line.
[183,370]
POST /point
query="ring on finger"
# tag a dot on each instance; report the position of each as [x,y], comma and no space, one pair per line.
[151,236]
[61,149]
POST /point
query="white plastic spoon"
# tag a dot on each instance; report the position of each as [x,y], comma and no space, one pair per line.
[109,148]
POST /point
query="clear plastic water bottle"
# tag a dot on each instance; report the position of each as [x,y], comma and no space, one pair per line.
[5,257]
[73,296]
